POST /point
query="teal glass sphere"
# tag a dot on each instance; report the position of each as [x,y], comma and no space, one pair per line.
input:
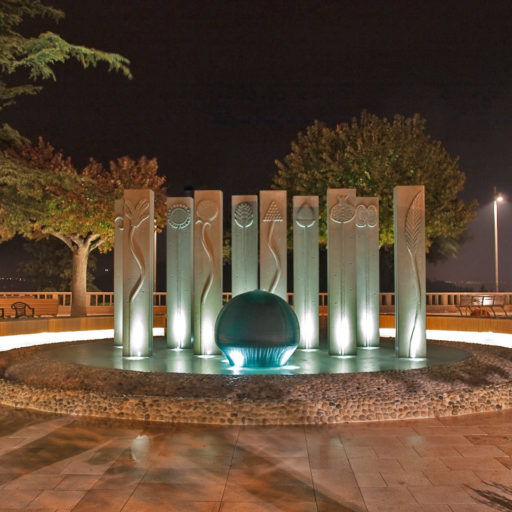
[257,329]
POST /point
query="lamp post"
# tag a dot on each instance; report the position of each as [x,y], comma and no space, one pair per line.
[497,199]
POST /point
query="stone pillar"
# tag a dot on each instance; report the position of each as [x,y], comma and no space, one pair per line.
[207,269]
[410,280]
[367,258]
[341,279]
[118,272]
[273,255]
[244,244]
[138,246]
[180,271]
[305,268]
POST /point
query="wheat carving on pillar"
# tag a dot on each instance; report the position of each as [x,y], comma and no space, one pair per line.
[138,247]
[410,264]
[244,244]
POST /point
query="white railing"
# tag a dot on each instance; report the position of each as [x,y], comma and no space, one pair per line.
[102,303]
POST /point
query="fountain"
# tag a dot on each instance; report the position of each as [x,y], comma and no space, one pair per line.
[257,329]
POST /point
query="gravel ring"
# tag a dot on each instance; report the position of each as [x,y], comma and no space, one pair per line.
[29,378]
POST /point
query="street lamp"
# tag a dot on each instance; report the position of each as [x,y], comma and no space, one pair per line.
[497,199]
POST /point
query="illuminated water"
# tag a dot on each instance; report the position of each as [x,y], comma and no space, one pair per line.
[104,355]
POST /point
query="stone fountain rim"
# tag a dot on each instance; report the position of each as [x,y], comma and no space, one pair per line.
[482,382]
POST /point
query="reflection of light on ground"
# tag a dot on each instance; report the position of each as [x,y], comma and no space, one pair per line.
[44,338]
[484,338]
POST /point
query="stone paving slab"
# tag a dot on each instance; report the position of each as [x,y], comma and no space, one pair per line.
[69,463]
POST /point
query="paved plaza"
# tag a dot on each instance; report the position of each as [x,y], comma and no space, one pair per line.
[58,463]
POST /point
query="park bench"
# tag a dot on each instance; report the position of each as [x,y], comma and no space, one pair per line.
[481,305]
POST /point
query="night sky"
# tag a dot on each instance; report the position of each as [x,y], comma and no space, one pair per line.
[221,88]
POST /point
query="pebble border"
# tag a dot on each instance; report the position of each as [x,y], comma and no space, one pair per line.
[480,383]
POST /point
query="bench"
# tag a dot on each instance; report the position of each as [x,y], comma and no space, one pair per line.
[480,305]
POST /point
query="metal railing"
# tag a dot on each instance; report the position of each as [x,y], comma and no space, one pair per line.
[102,303]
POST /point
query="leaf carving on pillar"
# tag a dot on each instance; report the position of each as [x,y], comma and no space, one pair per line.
[413,230]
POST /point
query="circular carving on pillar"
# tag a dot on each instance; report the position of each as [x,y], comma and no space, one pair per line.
[372,216]
[305,216]
[178,216]
[366,216]
[207,210]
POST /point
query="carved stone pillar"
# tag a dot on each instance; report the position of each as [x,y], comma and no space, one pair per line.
[138,246]
[244,244]
[118,272]
[305,268]
[207,269]
[410,280]
[341,280]
[367,258]
[180,276]
[273,255]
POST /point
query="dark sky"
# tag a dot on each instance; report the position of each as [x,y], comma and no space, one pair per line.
[221,88]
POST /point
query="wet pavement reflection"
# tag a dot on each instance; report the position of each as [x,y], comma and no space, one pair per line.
[62,463]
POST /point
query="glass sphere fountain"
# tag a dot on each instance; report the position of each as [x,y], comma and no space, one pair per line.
[257,329]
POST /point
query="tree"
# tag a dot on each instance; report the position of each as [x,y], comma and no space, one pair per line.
[50,264]
[43,194]
[34,58]
[38,55]
[373,155]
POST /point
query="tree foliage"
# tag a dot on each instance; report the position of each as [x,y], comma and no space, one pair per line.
[35,57]
[373,155]
[42,194]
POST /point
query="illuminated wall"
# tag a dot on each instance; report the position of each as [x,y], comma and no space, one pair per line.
[367,275]
[118,272]
[138,247]
[410,307]
[341,273]
[273,252]
[207,268]
[180,271]
[244,244]
[305,268]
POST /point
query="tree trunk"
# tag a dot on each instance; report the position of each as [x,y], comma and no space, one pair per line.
[79,281]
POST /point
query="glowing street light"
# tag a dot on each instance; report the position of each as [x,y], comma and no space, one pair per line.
[498,198]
